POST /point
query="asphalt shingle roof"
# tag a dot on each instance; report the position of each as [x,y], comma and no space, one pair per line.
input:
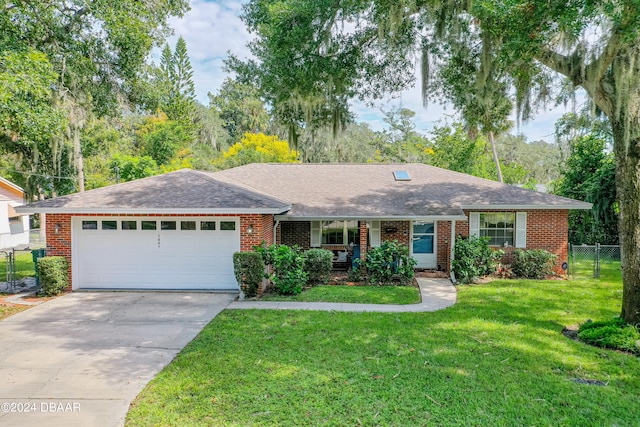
[309,191]
[370,190]
[179,191]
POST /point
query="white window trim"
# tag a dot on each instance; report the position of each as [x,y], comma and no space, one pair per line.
[519,230]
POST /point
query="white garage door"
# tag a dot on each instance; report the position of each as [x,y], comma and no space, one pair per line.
[154,252]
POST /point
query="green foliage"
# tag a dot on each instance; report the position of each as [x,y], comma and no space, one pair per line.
[129,168]
[616,334]
[240,109]
[162,140]
[53,274]
[533,263]
[354,274]
[318,264]
[474,258]
[589,175]
[248,268]
[174,83]
[288,267]
[390,264]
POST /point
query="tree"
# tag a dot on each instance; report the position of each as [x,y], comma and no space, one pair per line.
[341,49]
[240,108]
[128,168]
[96,50]
[161,138]
[27,117]
[589,175]
[258,148]
[176,87]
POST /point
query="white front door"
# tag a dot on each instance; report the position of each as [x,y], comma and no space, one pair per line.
[155,252]
[423,243]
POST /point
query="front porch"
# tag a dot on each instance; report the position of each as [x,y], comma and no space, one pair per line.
[427,239]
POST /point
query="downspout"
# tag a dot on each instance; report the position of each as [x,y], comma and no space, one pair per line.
[275,228]
[452,247]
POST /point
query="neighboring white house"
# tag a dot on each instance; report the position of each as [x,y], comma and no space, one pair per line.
[14,227]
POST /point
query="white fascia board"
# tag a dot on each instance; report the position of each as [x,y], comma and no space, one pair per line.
[238,211]
[581,205]
[374,218]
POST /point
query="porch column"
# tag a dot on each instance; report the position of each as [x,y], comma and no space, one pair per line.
[364,229]
[452,247]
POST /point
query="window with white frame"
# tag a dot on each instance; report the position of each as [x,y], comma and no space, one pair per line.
[340,232]
[501,228]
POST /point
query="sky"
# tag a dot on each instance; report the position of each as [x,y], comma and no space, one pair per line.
[212,28]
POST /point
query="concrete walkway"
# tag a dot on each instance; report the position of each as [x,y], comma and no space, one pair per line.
[80,359]
[436,294]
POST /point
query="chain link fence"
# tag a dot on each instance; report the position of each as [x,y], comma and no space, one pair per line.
[594,260]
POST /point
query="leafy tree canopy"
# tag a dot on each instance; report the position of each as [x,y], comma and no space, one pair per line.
[331,51]
[258,148]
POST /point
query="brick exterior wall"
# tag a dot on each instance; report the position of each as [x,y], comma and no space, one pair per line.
[59,244]
[443,251]
[295,233]
[546,229]
[402,233]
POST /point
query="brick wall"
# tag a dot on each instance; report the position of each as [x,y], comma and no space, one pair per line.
[59,244]
[295,233]
[546,229]
[443,251]
[401,233]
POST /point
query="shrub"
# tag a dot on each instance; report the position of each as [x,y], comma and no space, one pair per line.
[53,271]
[616,334]
[288,274]
[318,264]
[354,274]
[474,258]
[249,270]
[390,264]
[533,263]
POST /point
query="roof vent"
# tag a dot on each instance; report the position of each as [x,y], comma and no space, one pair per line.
[401,176]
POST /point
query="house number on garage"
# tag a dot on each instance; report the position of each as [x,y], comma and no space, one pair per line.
[158,240]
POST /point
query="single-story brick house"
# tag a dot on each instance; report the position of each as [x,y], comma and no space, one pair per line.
[179,230]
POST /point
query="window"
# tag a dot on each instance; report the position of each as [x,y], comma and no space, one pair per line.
[15,219]
[498,227]
[89,225]
[227,225]
[129,225]
[167,225]
[401,176]
[340,232]
[187,225]
[207,225]
[110,225]
[148,225]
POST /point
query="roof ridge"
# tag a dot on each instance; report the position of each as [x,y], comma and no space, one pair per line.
[241,186]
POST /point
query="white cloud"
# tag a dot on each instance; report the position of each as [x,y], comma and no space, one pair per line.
[214,28]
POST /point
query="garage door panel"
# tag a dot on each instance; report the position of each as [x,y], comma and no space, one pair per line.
[154,259]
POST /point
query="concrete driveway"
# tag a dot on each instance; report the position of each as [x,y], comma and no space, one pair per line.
[80,359]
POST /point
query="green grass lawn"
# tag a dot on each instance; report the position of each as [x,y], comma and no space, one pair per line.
[24,266]
[496,358]
[354,294]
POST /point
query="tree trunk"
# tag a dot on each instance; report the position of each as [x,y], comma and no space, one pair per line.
[627,154]
[77,151]
[496,160]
